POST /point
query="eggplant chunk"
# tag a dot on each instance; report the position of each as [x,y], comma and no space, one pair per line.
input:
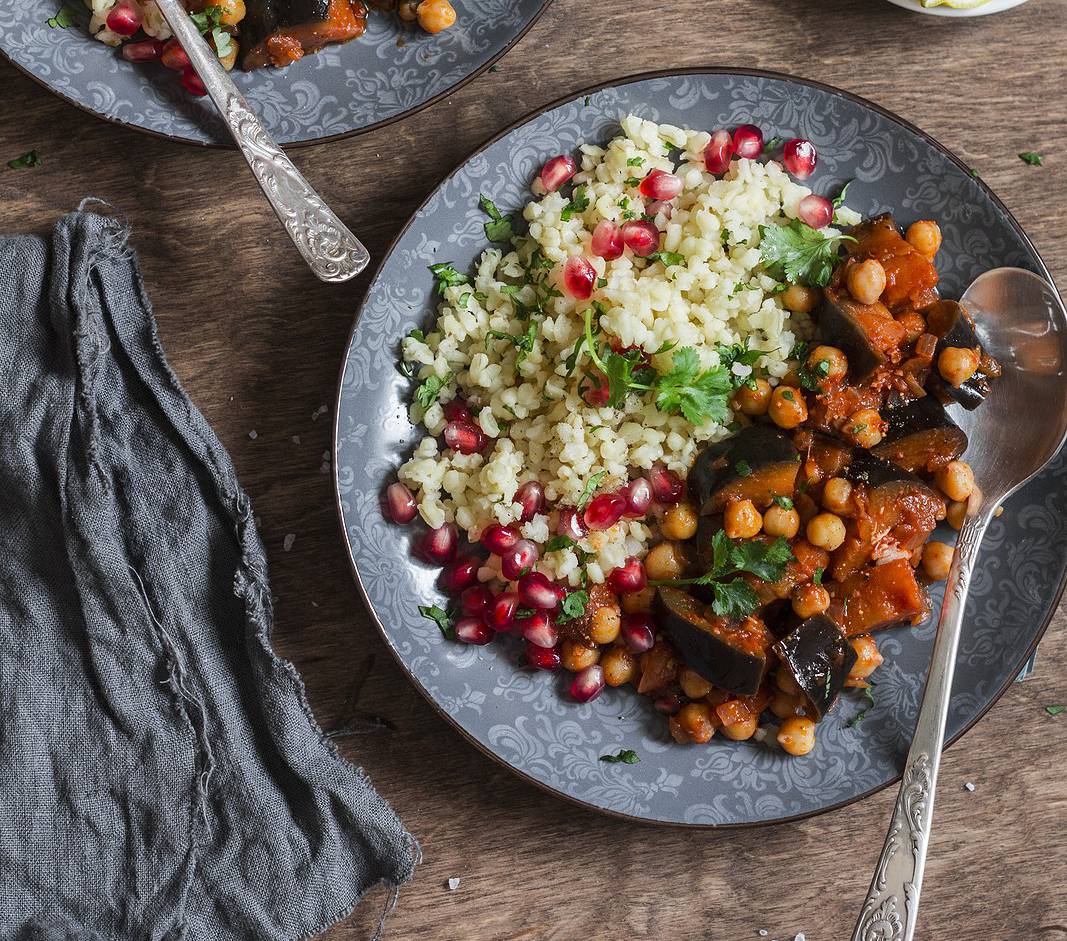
[920,437]
[278,32]
[949,322]
[759,463]
[731,654]
[818,657]
[866,333]
[876,598]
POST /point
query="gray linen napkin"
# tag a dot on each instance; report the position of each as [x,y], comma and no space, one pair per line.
[161,774]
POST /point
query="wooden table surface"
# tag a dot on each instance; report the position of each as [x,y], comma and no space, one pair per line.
[258,343]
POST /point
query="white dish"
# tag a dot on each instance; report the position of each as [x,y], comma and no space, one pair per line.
[994,6]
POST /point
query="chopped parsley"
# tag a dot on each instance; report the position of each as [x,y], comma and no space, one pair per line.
[700,395]
[635,161]
[590,488]
[559,543]
[430,388]
[26,160]
[632,181]
[839,200]
[601,283]
[523,344]
[1032,158]
[799,254]
[1055,710]
[868,691]
[743,286]
[743,468]
[787,394]
[419,335]
[627,757]
[447,276]
[726,239]
[816,579]
[668,258]
[573,606]
[65,17]
[464,298]
[810,375]
[773,144]
[440,617]
[223,42]
[579,203]
[787,504]
[498,228]
[207,19]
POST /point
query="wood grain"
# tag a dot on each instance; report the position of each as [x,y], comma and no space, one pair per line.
[257,341]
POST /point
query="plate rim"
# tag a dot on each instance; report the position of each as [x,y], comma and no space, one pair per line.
[292,145]
[524,119]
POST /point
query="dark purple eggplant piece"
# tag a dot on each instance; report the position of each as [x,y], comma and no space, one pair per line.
[948,321]
[920,437]
[818,657]
[757,464]
[731,654]
[838,324]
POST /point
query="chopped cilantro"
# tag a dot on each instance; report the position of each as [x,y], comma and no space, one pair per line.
[784,502]
[726,239]
[699,395]
[65,17]
[771,146]
[868,691]
[633,181]
[494,68]
[601,283]
[523,344]
[440,617]
[787,394]
[426,394]
[498,228]
[668,258]
[447,276]
[839,200]
[573,606]
[627,757]
[975,173]
[579,203]
[743,468]
[1055,710]
[26,160]
[1032,158]
[223,42]
[419,335]
[207,19]
[590,488]
[635,161]
[559,543]
[799,254]
[810,375]
[817,577]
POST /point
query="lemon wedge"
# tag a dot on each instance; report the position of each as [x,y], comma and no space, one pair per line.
[954,4]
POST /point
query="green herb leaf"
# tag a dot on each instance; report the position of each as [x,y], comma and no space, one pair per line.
[726,239]
[419,335]
[839,200]
[701,396]
[734,599]
[26,160]
[772,145]
[632,181]
[784,502]
[627,757]
[764,560]
[65,17]
[430,388]
[447,276]
[810,375]
[738,353]
[498,229]
[207,19]
[440,617]
[579,203]
[817,577]
[668,258]
[1055,710]
[601,283]
[573,606]
[1034,159]
[590,488]
[559,543]
[223,42]
[524,344]
[859,717]
[743,468]
[635,161]
[799,254]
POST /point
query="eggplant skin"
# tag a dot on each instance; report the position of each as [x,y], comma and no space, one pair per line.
[758,463]
[866,468]
[920,437]
[839,325]
[731,655]
[819,658]
[949,321]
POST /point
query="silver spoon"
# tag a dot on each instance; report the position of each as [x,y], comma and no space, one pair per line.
[326,243]
[1021,425]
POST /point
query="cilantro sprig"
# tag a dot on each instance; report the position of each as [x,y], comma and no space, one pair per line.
[799,254]
[626,756]
[29,159]
[700,395]
[446,276]
[441,618]
[868,692]
[579,203]
[573,606]
[1033,158]
[430,388]
[499,227]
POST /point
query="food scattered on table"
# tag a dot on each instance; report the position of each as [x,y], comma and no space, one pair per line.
[1032,158]
[695,416]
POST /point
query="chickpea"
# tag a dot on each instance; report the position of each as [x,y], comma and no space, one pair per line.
[695,719]
[937,559]
[866,281]
[836,363]
[788,408]
[743,730]
[231,12]
[799,299]
[956,513]
[837,496]
[408,10]
[956,480]
[957,364]
[742,520]
[868,658]
[865,427]
[825,531]
[797,735]
[753,401]
[680,735]
[810,599]
[783,705]
[693,684]
[639,601]
[680,521]
[784,680]
[924,237]
[605,623]
[619,665]
[435,15]
[664,562]
[575,656]
[778,521]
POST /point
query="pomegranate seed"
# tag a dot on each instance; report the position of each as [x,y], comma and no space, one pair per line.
[498,539]
[439,545]
[123,19]
[571,523]
[659,206]
[465,437]
[532,497]
[579,278]
[604,511]
[473,631]
[659,184]
[594,389]
[147,50]
[174,56]
[638,632]
[640,236]
[668,704]
[192,82]
[537,591]
[748,141]
[519,559]
[539,630]
[556,172]
[816,211]
[542,658]
[638,494]
[400,504]
[667,486]
[607,240]
[718,152]
[799,157]
[475,601]
[501,614]
[588,683]
[628,577]
[457,410]
[460,575]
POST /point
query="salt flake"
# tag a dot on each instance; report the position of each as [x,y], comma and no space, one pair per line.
[968,786]
[453,884]
[253,434]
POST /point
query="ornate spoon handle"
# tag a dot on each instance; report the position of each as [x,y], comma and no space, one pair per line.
[326,243]
[890,911]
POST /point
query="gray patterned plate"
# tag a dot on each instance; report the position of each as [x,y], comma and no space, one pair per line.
[524,719]
[390,71]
